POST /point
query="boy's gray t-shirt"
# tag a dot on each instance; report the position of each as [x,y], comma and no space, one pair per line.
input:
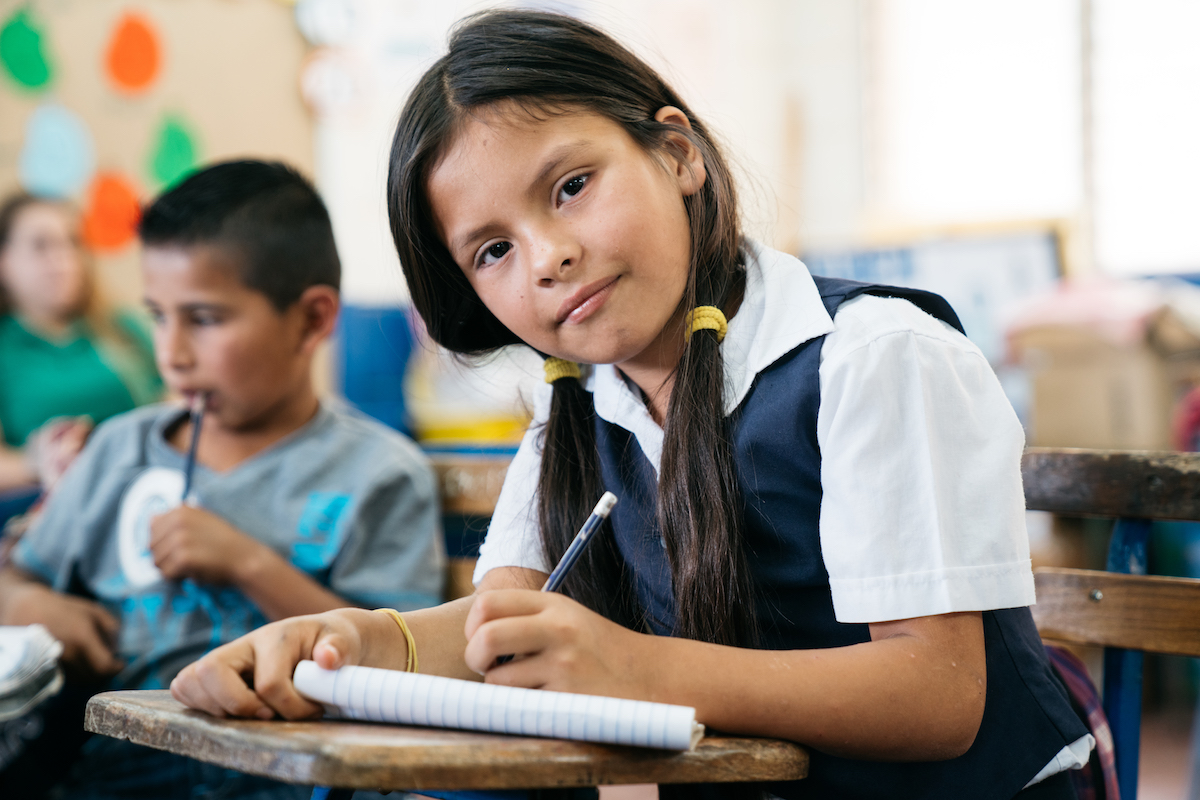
[351,503]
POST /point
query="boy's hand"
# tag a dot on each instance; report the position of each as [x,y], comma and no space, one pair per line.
[86,629]
[189,542]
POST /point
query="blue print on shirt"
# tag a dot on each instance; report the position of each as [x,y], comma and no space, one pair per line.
[157,628]
[318,531]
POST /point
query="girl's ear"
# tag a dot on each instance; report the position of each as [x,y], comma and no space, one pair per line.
[688,161]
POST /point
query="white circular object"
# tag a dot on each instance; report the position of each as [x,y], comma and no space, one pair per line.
[331,82]
[326,22]
[155,491]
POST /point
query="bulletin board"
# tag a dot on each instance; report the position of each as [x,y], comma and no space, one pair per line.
[106,102]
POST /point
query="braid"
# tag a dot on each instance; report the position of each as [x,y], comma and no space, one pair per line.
[568,487]
[699,499]
[555,63]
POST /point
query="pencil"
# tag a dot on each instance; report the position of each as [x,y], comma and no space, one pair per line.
[196,411]
[574,551]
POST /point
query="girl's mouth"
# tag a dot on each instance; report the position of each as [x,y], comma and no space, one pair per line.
[585,301]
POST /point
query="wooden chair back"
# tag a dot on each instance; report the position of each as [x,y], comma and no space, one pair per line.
[1134,612]
[468,486]
[1122,609]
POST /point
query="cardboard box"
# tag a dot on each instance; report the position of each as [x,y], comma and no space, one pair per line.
[1098,391]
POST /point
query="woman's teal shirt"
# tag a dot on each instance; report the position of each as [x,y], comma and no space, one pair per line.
[80,374]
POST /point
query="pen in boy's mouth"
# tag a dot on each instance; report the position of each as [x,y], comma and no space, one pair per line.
[196,399]
[584,301]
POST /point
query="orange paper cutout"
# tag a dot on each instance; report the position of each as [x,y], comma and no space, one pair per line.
[111,217]
[134,54]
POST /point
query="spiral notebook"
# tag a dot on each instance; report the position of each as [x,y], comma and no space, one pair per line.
[384,695]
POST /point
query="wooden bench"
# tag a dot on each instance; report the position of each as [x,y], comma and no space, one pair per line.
[1122,609]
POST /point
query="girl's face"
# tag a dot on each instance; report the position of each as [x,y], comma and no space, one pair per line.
[41,266]
[570,233]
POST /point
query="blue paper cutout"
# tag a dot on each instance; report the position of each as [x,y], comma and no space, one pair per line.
[58,157]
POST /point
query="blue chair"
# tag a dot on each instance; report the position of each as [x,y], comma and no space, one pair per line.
[373,347]
[1121,609]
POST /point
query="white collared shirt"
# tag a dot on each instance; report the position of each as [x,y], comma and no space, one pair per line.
[922,510]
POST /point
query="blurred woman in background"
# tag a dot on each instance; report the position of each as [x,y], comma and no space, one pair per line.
[67,362]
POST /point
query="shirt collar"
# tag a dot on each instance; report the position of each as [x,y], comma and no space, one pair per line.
[781,309]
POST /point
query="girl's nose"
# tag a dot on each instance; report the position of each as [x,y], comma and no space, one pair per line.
[552,256]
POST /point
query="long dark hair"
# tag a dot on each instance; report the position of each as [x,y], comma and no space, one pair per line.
[547,64]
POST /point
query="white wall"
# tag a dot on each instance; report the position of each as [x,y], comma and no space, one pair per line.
[776,80]
[1147,74]
[848,120]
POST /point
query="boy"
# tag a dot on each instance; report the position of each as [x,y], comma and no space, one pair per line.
[299,507]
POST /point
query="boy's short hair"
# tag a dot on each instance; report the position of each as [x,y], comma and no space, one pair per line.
[266,212]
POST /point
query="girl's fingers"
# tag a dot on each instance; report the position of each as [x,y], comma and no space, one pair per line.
[186,690]
[279,655]
[273,683]
[329,652]
[509,636]
[215,683]
[501,603]
[218,684]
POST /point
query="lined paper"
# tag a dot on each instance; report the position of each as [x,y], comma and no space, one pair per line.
[384,695]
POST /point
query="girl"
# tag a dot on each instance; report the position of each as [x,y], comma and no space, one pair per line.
[63,354]
[820,528]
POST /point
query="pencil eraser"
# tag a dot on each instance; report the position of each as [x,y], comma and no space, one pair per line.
[606,504]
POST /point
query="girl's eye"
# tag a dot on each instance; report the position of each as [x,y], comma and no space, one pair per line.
[495,252]
[572,187]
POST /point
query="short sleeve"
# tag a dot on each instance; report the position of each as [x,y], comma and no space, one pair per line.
[512,538]
[394,555]
[922,510]
[70,518]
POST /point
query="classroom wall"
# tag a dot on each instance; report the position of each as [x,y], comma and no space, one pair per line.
[778,80]
[227,78]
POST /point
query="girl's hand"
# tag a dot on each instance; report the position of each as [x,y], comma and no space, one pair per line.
[252,676]
[561,646]
[52,447]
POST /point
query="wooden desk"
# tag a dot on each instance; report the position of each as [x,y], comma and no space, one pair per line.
[369,756]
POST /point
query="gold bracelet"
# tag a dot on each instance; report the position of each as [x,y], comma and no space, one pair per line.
[411,666]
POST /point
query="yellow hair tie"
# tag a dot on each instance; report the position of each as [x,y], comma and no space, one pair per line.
[411,666]
[560,368]
[707,318]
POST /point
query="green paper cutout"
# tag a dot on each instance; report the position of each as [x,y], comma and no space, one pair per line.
[21,51]
[174,152]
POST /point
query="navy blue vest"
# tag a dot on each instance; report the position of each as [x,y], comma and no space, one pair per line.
[1027,717]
